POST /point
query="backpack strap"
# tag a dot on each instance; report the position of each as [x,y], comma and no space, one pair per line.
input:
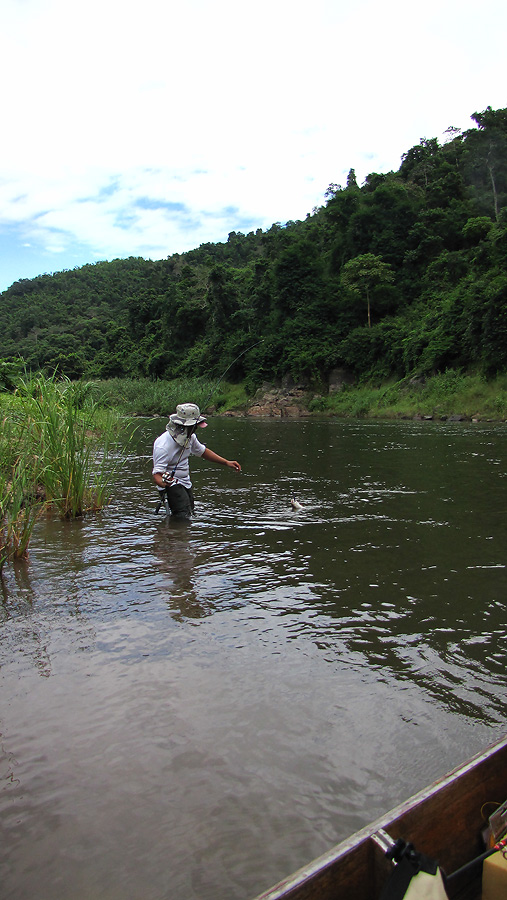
[398,883]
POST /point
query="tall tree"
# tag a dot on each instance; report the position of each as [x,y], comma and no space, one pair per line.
[367,275]
[487,156]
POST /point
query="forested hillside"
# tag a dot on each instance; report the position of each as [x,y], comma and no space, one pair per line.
[404,274]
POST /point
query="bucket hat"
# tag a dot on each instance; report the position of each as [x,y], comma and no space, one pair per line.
[187,414]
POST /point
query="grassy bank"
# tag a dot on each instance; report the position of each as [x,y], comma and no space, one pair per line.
[440,396]
[142,397]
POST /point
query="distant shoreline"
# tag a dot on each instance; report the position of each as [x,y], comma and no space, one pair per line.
[446,397]
[450,395]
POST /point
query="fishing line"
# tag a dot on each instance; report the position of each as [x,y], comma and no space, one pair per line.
[213,389]
[170,479]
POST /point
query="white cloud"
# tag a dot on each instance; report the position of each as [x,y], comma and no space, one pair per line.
[208,107]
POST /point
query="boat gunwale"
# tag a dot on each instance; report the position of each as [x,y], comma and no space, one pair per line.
[359,842]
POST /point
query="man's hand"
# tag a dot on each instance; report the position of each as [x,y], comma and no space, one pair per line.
[211,456]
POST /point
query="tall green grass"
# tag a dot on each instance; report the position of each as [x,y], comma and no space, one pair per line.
[19,478]
[72,438]
[18,514]
[142,397]
[59,452]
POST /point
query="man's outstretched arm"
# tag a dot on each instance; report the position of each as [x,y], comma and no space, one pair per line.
[215,458]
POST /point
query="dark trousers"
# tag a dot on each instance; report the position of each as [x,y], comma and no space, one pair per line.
[180,500]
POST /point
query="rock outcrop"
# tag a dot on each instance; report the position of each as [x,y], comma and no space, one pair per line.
[282,403]
[287,400]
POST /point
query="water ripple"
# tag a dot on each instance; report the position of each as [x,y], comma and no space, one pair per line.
[201,708]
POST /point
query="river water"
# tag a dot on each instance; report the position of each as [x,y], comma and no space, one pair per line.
[193,712]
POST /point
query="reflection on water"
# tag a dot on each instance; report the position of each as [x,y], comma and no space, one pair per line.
[194,710]
[175,559]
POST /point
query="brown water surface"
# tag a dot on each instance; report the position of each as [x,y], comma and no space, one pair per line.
[193,712]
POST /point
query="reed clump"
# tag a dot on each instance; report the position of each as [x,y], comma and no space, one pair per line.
[19,476]
[58,452]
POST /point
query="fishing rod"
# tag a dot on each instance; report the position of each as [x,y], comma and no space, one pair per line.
[168,477]
[213,389]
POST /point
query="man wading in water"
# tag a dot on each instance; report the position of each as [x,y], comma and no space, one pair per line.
[170,459]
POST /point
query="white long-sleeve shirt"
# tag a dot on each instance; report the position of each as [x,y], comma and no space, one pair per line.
[166,453]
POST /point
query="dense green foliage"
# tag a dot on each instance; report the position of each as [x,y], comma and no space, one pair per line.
[405,274]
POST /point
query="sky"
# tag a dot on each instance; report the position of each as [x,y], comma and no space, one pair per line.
[149,128]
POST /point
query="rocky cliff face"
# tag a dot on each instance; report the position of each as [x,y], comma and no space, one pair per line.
[280,402]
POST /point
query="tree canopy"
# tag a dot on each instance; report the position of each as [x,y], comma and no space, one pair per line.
[406,273]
